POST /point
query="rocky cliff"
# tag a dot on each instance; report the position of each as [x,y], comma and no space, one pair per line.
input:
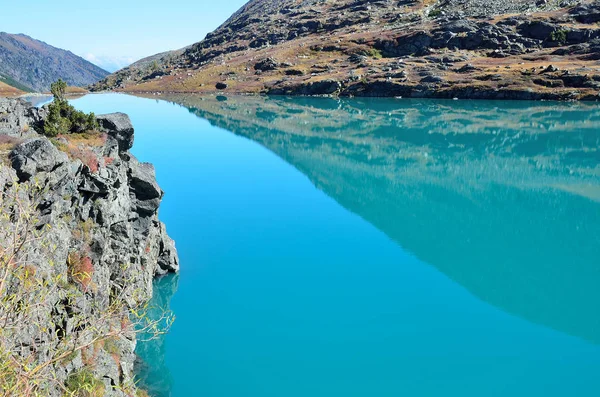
[521,49]
[99,245]
[33,65]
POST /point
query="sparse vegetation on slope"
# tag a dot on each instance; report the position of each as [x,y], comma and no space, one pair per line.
[467,49]
[9,91]
[7,80]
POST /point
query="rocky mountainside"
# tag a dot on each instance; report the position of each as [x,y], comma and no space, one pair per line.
[420,48]
[102,244]
[35,64]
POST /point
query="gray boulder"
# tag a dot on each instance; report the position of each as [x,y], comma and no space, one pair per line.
[539,30]
[143,180]
[266,65]
[168,261]
[143,185]
[34,156]
[118,126]
[587,13]
[17,116]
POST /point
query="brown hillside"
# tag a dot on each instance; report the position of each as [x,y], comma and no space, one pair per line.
[420,48]
[8,91]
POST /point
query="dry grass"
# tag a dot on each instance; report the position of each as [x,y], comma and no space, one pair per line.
[9,91]
[93,138]
[81,147]
[81,269]
[76,90]
[7,144]
[73,92]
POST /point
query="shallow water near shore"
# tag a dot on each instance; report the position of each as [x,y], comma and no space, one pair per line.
[374,247]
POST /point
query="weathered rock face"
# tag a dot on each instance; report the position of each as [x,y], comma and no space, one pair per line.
[35,156]
[119,127]
[16,117]
[102,207]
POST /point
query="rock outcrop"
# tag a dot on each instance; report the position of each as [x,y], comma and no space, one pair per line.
[98,205]
[414,48]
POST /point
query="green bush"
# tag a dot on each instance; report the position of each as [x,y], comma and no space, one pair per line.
[559,36]
[64,118]
[84,384]
[375,53]
[435,13]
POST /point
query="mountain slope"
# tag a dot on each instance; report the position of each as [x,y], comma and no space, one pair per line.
[7,90]
[445,48]
[36,65]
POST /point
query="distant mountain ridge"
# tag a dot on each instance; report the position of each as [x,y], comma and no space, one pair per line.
[34,65]
[143,69]
[511,49]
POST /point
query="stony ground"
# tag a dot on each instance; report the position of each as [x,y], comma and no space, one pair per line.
[421,48]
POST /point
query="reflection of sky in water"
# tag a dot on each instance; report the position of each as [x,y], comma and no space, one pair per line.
[364,247]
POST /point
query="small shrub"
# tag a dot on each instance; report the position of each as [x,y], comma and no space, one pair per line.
[79,146]
[559,36]
[375,53]
[80,269]
[83,232]
[64,118]
[87,157]
[154,67]
[111,346]
[435,13]
[83,383]
[77,152]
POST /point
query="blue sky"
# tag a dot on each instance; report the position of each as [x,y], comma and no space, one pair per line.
[114,33]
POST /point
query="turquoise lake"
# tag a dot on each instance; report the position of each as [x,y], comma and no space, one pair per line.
[374,247]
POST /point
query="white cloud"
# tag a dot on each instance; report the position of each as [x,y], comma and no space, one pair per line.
[109,63]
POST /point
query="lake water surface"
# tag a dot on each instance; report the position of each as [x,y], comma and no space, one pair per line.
[374,247]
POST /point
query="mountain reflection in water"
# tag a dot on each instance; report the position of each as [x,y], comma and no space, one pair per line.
[502,197]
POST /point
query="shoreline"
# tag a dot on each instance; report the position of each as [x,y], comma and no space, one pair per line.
[439,95]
